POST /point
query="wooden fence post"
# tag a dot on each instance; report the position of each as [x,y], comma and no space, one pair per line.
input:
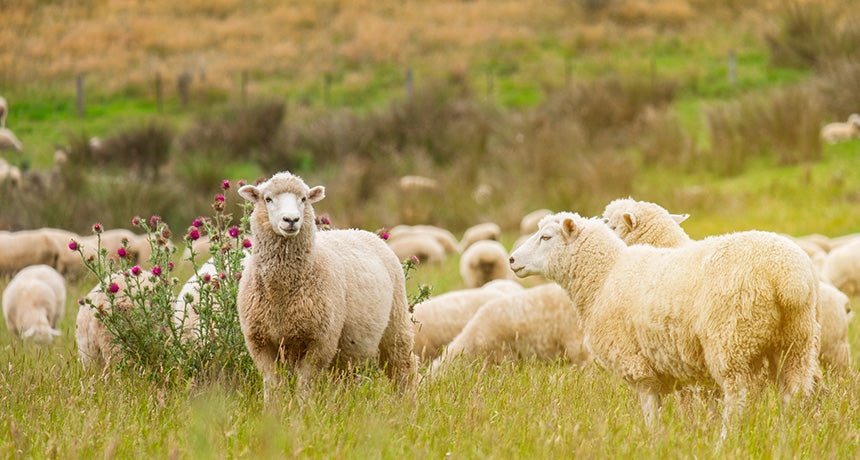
[79,99]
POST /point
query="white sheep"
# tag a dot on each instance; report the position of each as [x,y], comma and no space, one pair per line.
[538,322]
[318,299]
[24,248]
[95,342]
[426,249]
[34,302]
[441,235]
[8,141]
[417,183]
[484,261]
[186,305]
[641,222]
[483,231]
[712,311]
[841,131]
[842,268]
[529,222]
[439,319]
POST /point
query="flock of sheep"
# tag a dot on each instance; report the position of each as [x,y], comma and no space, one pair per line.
[629,290]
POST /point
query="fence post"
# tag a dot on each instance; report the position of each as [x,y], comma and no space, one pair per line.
[79,99]
[244,87]
[409,83]
[733,68]
[327,88]
[159,98]
[183,84]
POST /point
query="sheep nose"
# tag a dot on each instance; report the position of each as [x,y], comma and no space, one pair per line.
[291,220]
[511,260]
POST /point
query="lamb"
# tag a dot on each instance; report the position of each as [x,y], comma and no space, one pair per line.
[34,302]
[95,343]
[426,249]
[484,261]
[841,131]
[712,311]
[8,141]
[439,319]
[484,231]
[639,222]
[314,300]
[538,322]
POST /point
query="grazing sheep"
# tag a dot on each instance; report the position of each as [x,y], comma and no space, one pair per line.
[426,249]
[841,131]
[4,111]
[8,141]
[317,299]
[95,342]
[640,222]
[186,305]
[417,183]
[538,322]
[442,236]
[24,248]
[201,249]
[34,302]
[484,261]
[712,311]
[529,222]
[842,268]
[439,319]
[484,231]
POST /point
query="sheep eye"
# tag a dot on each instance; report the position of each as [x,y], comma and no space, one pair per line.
[304,198]
[545,237]
[268,199]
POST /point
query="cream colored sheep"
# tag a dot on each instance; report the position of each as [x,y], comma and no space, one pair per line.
[8,141]
[484,261]
[842,268]
[319,299]
[640,222]
[186,305]
[480,232]
[712,311]
[34,302]
[417,183]
[24,248]
[442,236]
[425,248]
[539,322]
[94,341]
[841,131]
[439,319]
[529,222]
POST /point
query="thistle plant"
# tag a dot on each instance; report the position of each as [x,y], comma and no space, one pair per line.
[197,336]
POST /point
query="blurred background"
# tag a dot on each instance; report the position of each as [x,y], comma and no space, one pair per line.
[128,108]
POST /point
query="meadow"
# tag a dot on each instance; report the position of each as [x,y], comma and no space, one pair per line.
[563,105]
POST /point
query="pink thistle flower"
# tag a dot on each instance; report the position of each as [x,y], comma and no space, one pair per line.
[193,235]
[156,270]
[234,231]
[136,220]
[114,288]
[154,220]
[169,266]
[237,275]
[207,277]
[414,260]
[121,252]
[246,244]
[197,222]
[384,236]
[222,275]
[225,185]
[240,183]
[73,245]
[135,270]
[97,227]
[219,198]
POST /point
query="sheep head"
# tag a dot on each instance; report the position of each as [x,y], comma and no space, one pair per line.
[626,217]
[285,200]
[41,334]
[553,231]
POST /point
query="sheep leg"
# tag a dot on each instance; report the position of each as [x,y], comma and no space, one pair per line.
[395,350]
[265,358]
[735,388]
[649,400]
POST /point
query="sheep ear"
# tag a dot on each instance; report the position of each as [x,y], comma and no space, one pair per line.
[678,218]
[28,333]
[315,194]
[569,228]
[55,332]
[629,219]
[249,192]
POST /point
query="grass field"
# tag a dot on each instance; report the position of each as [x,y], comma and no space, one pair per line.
[564,105]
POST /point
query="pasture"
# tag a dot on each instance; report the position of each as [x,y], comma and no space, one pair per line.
[707,108]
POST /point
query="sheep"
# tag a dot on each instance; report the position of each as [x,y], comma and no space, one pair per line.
[417,183]
[439,319]
[8,141]
[640,222]
[96,349]
[529,222]
[24,248]
[426,249]
[186,303]
[841,131]
[712,311]
[842,268]
[34,302]
[4,111]
[315,299]
[484,261]
[484,231]
[538,322]
[444,237]
[138,249]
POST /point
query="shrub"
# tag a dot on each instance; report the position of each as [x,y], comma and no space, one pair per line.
[155,335]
